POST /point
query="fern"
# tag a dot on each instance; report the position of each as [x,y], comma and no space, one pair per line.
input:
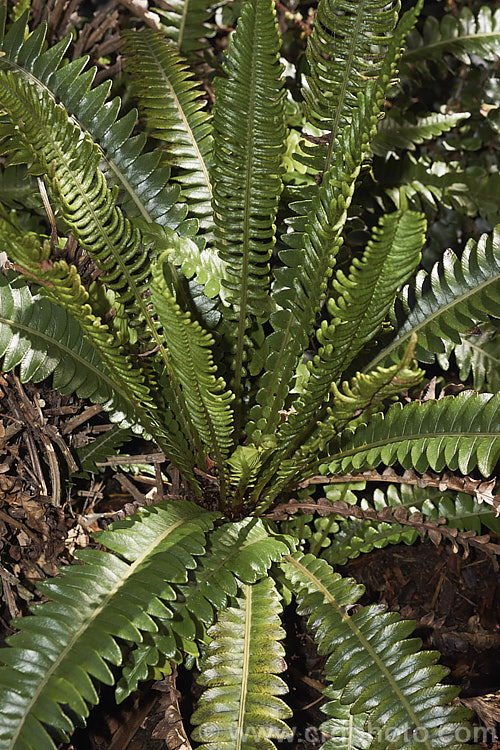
[462,293]
[477,355]
[184,22]
[239,707]
[373,663]
[171,103]
[110,597]
[395,134]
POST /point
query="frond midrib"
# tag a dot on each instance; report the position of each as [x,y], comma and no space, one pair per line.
[399,340]
[67,649]
[417,52]
[347,620]
[245,668]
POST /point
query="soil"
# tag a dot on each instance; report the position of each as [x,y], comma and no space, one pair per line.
[46,512]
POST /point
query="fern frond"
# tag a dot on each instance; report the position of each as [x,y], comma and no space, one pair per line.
[171,102]
[462,37]
[343,728]
[142,179]
[239,708]
[100,449]
[73,638]
[364,298]
[249,137]
[478,355]
[189,348]
[314,241]
[396,133]
[184,22]
[345,50]
[462,293]
[374,663]
[43,340]
[459,432]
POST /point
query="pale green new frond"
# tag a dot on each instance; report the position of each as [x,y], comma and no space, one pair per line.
[462,293]
[374,664]
[239,709]
[249,137]
[457,432]
[72,640]
[189,348]
[171,102]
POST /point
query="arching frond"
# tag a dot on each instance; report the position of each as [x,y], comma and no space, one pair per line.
[239,707]
[395,133]
[462,293]
[459,432]
[171,102]
[343,726]
[71,640]
[189,348]
[142,179]
[374,663]
[249,143]
[460,36]
[477,355]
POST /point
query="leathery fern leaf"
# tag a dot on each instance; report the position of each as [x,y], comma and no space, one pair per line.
[239,708]
[364,297]
[249,138]
[458,432]
[189,348]
[462,36]
[143,181]
[43,340]
[183,21]
[458,294]
[378,669]
[477,354]
[396,133]
[343,728]
[316,236]
[171,102]
[71,640]
[346,48]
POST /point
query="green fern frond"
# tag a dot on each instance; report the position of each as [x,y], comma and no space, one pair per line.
[189,348]
[345,50]
[395,133]
[343,728]
[73,638]
[458,432]
[239,708]
[142,179]
[100,449]
[249,136]
[374,663]
[43,340]
[462,293]
[460,36]
[477,354]
[171,102]
[301,285]
[184,22]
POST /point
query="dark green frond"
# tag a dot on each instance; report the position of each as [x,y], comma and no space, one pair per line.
[458,432]
[374,664]
[249,138]
[43,340]
[460,36]
[142,180]
[462,293]
[314,240]
[395,133]
[71,640]
[346,49]
[239,708]
[171,102]
[189,348]
[183,21]
[100,449]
